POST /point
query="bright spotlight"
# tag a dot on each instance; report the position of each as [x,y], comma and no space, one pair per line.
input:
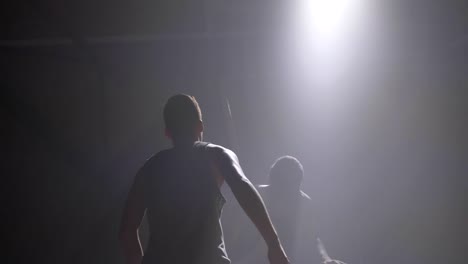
[325,17]
[324,35]
[324,22]
[322,30]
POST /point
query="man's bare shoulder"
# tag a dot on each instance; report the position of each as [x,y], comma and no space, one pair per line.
[219,151]
[217,148]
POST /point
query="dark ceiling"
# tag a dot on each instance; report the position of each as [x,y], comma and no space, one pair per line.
[27,20]
[52,18]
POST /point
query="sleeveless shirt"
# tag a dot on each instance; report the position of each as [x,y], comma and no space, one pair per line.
[184,206]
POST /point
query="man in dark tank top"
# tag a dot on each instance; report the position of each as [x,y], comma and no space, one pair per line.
[179,189]
[291,211]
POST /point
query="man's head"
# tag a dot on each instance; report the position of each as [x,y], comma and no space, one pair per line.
[183,118]
[287,173]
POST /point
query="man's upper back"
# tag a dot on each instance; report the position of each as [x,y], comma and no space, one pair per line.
[183,204]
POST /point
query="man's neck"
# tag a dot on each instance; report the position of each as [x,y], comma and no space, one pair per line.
[184,143]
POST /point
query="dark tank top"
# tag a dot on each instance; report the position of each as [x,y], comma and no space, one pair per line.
[184,206]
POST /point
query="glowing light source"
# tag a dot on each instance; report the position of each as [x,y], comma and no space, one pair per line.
[323,41]
[326,17]
[323,31]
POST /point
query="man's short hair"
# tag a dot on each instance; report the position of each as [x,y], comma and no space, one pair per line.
[287,169]
[181,114]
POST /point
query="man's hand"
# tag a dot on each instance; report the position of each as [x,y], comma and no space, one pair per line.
[276,254]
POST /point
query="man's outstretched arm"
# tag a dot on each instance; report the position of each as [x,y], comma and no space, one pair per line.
[227,165]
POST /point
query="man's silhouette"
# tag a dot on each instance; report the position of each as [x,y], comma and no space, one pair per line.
[179,190]
[292,213]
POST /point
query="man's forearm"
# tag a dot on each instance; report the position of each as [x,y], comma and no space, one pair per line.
[132,248]
[251,201]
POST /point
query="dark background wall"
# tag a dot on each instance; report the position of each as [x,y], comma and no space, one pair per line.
[84,83]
